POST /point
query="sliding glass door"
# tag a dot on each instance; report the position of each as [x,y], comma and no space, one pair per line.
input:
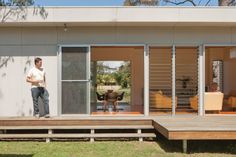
[75,79]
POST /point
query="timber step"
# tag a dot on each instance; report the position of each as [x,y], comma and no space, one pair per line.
[99,135]
[73,131]
[76,127]
[76,122]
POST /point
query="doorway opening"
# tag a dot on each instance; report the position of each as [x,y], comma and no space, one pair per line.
[117,70]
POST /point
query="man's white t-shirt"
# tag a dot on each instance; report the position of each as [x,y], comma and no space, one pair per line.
[37,74]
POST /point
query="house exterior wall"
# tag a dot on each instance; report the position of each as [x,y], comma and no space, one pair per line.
[22,44]
[125,16]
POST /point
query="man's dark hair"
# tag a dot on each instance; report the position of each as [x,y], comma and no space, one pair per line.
[36,60]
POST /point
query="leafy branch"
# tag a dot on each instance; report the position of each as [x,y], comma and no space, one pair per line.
[181,2]
[178,2]
[18,9]
[201,2]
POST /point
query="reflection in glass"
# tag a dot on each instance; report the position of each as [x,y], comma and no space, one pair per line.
[74,97]
[74,63]
[74,80]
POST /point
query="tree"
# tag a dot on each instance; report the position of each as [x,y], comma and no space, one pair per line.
[178,2]
[201,3]
[16,2]
[18,9]
[227,2]
[141,2]
[123,75]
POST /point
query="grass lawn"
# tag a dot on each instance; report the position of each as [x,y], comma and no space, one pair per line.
[160,148]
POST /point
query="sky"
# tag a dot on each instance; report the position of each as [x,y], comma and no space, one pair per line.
[113,64]
[92,2]
[80,2]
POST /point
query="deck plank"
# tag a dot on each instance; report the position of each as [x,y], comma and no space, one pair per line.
[105,135]
[76,127]
[75,122]
[179,127]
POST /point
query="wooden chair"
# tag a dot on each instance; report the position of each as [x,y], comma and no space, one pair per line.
[120,98]
[111,97]
[100,97]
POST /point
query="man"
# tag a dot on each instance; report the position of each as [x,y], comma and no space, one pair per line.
[36,77]
[214,87]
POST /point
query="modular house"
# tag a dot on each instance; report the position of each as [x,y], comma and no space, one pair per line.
[172,56]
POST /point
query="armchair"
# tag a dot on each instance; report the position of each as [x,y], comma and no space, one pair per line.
[158,100]
[213,101]
[231,101]
[194,102]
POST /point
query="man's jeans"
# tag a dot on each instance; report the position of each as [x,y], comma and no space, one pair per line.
[43,93]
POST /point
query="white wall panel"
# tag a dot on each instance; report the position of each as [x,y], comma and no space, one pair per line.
[15,95]
[10,35]
[39,35]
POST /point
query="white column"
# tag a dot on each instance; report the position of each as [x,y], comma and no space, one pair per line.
[185,146]
[173,80]
[139,131]
[59,83]
[201,82]
[89,79]
[146,80]
[92,133]
[50,132]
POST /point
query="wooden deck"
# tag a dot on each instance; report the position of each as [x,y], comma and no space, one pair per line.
[189,127]
[214,127]
[66,128]
[179,127]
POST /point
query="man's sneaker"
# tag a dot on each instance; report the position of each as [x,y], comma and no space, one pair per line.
[46,116]
[36,116]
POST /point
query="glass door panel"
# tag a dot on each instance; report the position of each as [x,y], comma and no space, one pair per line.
[75,81]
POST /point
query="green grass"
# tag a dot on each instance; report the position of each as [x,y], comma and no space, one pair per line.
[160,148]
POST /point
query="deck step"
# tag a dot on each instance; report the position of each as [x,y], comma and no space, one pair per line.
[75,122]
[11,132]
[49,129]
[98,135]
[76,127]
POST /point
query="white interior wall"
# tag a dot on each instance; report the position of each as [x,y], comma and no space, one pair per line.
[229,64]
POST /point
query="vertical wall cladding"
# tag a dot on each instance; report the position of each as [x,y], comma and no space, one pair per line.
[202,35]
[233,34]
